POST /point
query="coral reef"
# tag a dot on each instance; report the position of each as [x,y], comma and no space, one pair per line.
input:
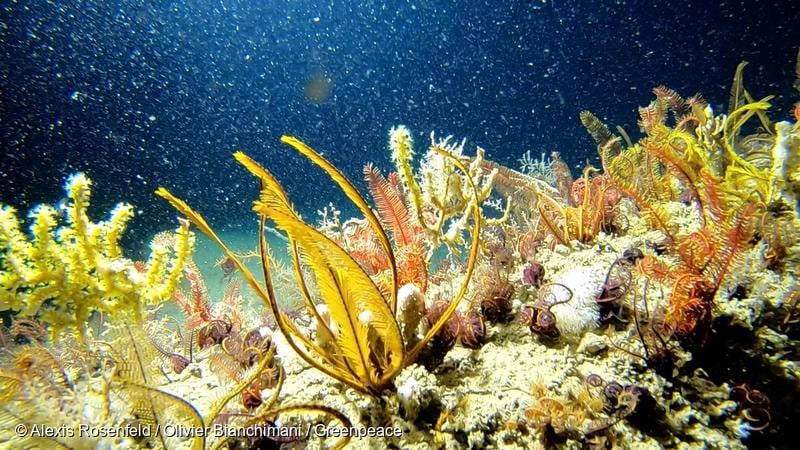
[93,346]
[365,348]
[470,306]
[65,272]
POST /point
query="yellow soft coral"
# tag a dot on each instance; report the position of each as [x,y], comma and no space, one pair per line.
[64,273]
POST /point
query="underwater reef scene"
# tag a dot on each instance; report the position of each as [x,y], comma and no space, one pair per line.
[437,295]
[651,302]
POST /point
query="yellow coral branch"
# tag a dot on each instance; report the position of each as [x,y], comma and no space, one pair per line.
[64,273]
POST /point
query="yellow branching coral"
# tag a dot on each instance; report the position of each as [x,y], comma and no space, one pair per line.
[760,169]
[441,198]
[62,273]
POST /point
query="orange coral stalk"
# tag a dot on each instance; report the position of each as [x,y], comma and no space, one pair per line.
[706,255]
[412,267]
[364,248]
[696,249]
[654,269]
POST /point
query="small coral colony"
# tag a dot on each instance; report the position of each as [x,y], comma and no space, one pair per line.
[665,281]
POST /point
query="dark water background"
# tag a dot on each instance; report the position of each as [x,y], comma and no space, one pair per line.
[146,93]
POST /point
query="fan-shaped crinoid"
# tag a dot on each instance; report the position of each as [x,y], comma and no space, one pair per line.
[368,349]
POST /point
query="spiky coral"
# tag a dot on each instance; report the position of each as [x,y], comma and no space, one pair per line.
[441,199]
[64,273]
[195,305]
[198,308]
[391,206]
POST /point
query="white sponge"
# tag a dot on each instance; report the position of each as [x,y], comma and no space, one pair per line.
[581,313]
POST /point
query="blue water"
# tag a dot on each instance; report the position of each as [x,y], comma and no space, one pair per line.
[146,93]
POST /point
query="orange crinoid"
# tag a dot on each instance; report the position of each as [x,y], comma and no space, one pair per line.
[406,232]
[590,209]
[665,167]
